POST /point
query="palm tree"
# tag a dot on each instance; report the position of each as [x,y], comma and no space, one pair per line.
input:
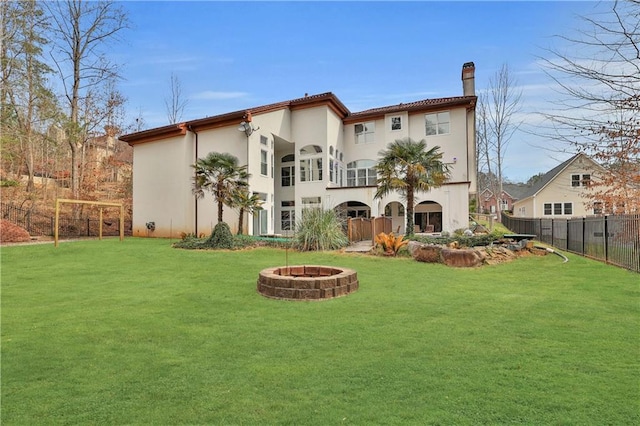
[245,202]
[220,174]
[406,166]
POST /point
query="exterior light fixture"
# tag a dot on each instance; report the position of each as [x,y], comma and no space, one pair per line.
[246,126]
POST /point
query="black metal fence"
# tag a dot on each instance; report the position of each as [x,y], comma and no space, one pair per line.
[39,224]
[614,239]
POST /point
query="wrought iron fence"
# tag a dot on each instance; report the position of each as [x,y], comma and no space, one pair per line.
[614,239]
[39,224]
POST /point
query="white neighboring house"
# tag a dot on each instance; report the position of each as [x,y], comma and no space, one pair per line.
[561,192]
[305,152]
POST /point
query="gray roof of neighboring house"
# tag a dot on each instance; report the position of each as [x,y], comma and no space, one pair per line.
[516,190]
[547,177]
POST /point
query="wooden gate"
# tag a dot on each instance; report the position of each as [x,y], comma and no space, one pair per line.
[362,229]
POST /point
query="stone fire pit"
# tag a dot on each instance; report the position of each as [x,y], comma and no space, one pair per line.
[307,282]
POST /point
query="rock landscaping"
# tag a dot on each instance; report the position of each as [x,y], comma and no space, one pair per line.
[503,250]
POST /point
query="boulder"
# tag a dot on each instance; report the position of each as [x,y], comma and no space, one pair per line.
[461,258]
[428,253]
[413,246]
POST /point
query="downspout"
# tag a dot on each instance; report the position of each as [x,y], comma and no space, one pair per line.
[195,198]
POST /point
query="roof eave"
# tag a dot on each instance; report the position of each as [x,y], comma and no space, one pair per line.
[467,101]
[158,133]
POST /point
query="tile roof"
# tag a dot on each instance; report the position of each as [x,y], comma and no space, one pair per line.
[417,105]
[327,98]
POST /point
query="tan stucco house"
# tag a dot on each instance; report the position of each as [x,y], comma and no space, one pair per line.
[562,192]
[305,152]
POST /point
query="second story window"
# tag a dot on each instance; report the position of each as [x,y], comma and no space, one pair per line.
[576,181]
[264,165]
[365,132]
[361,173]
[288,171]
[437,124]
[311,163]
[396,123]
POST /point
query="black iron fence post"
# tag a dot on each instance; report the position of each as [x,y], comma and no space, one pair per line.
[606,238]
[584,231]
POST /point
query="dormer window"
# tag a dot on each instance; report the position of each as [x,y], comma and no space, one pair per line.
[365,132]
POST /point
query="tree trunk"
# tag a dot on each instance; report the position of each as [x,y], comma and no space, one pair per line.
[241,221]
[410,200]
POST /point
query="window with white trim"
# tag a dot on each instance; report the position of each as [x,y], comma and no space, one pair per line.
[396,123]
[361,173]
[311,202]
[365,132]
[576,180]
[558,209]
[264,163]
[597,207]
[437,124]
[288,171]
[288,216]
[568,208]
[311,163]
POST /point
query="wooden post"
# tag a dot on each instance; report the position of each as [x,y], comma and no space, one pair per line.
[100,226]
[94,203]
[55,232]
[121,222]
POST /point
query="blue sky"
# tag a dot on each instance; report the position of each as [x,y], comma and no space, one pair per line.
[235,55]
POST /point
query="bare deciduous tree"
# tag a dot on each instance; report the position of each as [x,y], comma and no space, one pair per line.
[496,122]
[28,105]
[597,73]
[82,31]
[176,103]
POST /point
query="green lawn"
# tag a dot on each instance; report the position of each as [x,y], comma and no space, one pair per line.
[135,332]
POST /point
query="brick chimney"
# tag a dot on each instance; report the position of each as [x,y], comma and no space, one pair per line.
[468,79]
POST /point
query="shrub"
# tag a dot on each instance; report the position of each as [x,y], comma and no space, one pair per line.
[221,237]
[463,241]
[8,183]
[320,229]
[390,243]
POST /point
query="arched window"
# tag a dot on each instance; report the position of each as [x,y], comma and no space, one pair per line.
[311,163]
[361,173]
[289,158]
[310,150]
[288,171]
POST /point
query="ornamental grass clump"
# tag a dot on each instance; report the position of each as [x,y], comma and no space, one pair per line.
[320,229]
